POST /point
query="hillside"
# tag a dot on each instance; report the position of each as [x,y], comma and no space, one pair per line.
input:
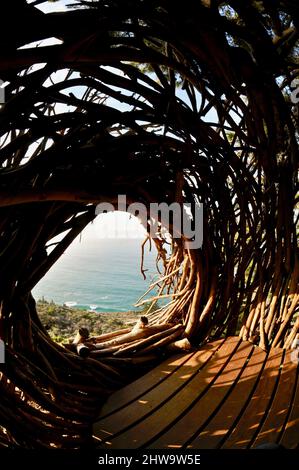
[63,322]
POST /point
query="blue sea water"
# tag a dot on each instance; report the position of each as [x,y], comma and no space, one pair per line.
[103,275]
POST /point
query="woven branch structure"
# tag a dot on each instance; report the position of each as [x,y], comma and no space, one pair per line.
[162,102]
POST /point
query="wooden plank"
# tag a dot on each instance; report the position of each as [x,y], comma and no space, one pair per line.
[249,423]
[151,398]
[201,411]
[213,433]
[290,435]
[140,386]
[277,415]
[159,417]
[145,383]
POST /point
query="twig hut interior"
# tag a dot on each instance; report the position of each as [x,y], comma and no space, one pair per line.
[162,102]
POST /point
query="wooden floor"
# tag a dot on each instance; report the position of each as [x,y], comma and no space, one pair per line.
[228,394]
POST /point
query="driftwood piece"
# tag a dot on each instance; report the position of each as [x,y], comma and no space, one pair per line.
[104,351]
[82,350]
[133,335]
[108,336]
[78,343]
[150,339]
[163,341]
[180,345]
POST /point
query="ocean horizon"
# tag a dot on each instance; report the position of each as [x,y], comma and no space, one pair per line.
[102,275]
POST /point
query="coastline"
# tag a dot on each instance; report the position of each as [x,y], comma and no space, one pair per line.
[63,322]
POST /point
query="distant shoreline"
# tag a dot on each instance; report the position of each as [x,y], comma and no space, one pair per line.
[85,307]
[63,322]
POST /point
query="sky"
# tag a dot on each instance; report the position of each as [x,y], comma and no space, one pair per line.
[60,5]
[114,225]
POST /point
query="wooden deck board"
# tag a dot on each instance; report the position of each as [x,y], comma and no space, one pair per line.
[140,387]
[107,428]
[256,410]
[289,438]
[276,418]
[228,394]
[218,428]
[202,409]
[146,430]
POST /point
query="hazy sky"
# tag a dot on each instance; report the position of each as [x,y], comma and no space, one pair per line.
[114,225]
[60,5]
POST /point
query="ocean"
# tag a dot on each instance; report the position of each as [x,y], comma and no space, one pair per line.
[100,275]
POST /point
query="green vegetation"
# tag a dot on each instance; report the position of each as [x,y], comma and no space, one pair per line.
[63,322]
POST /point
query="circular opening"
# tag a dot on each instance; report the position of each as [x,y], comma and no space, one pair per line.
[99,278]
